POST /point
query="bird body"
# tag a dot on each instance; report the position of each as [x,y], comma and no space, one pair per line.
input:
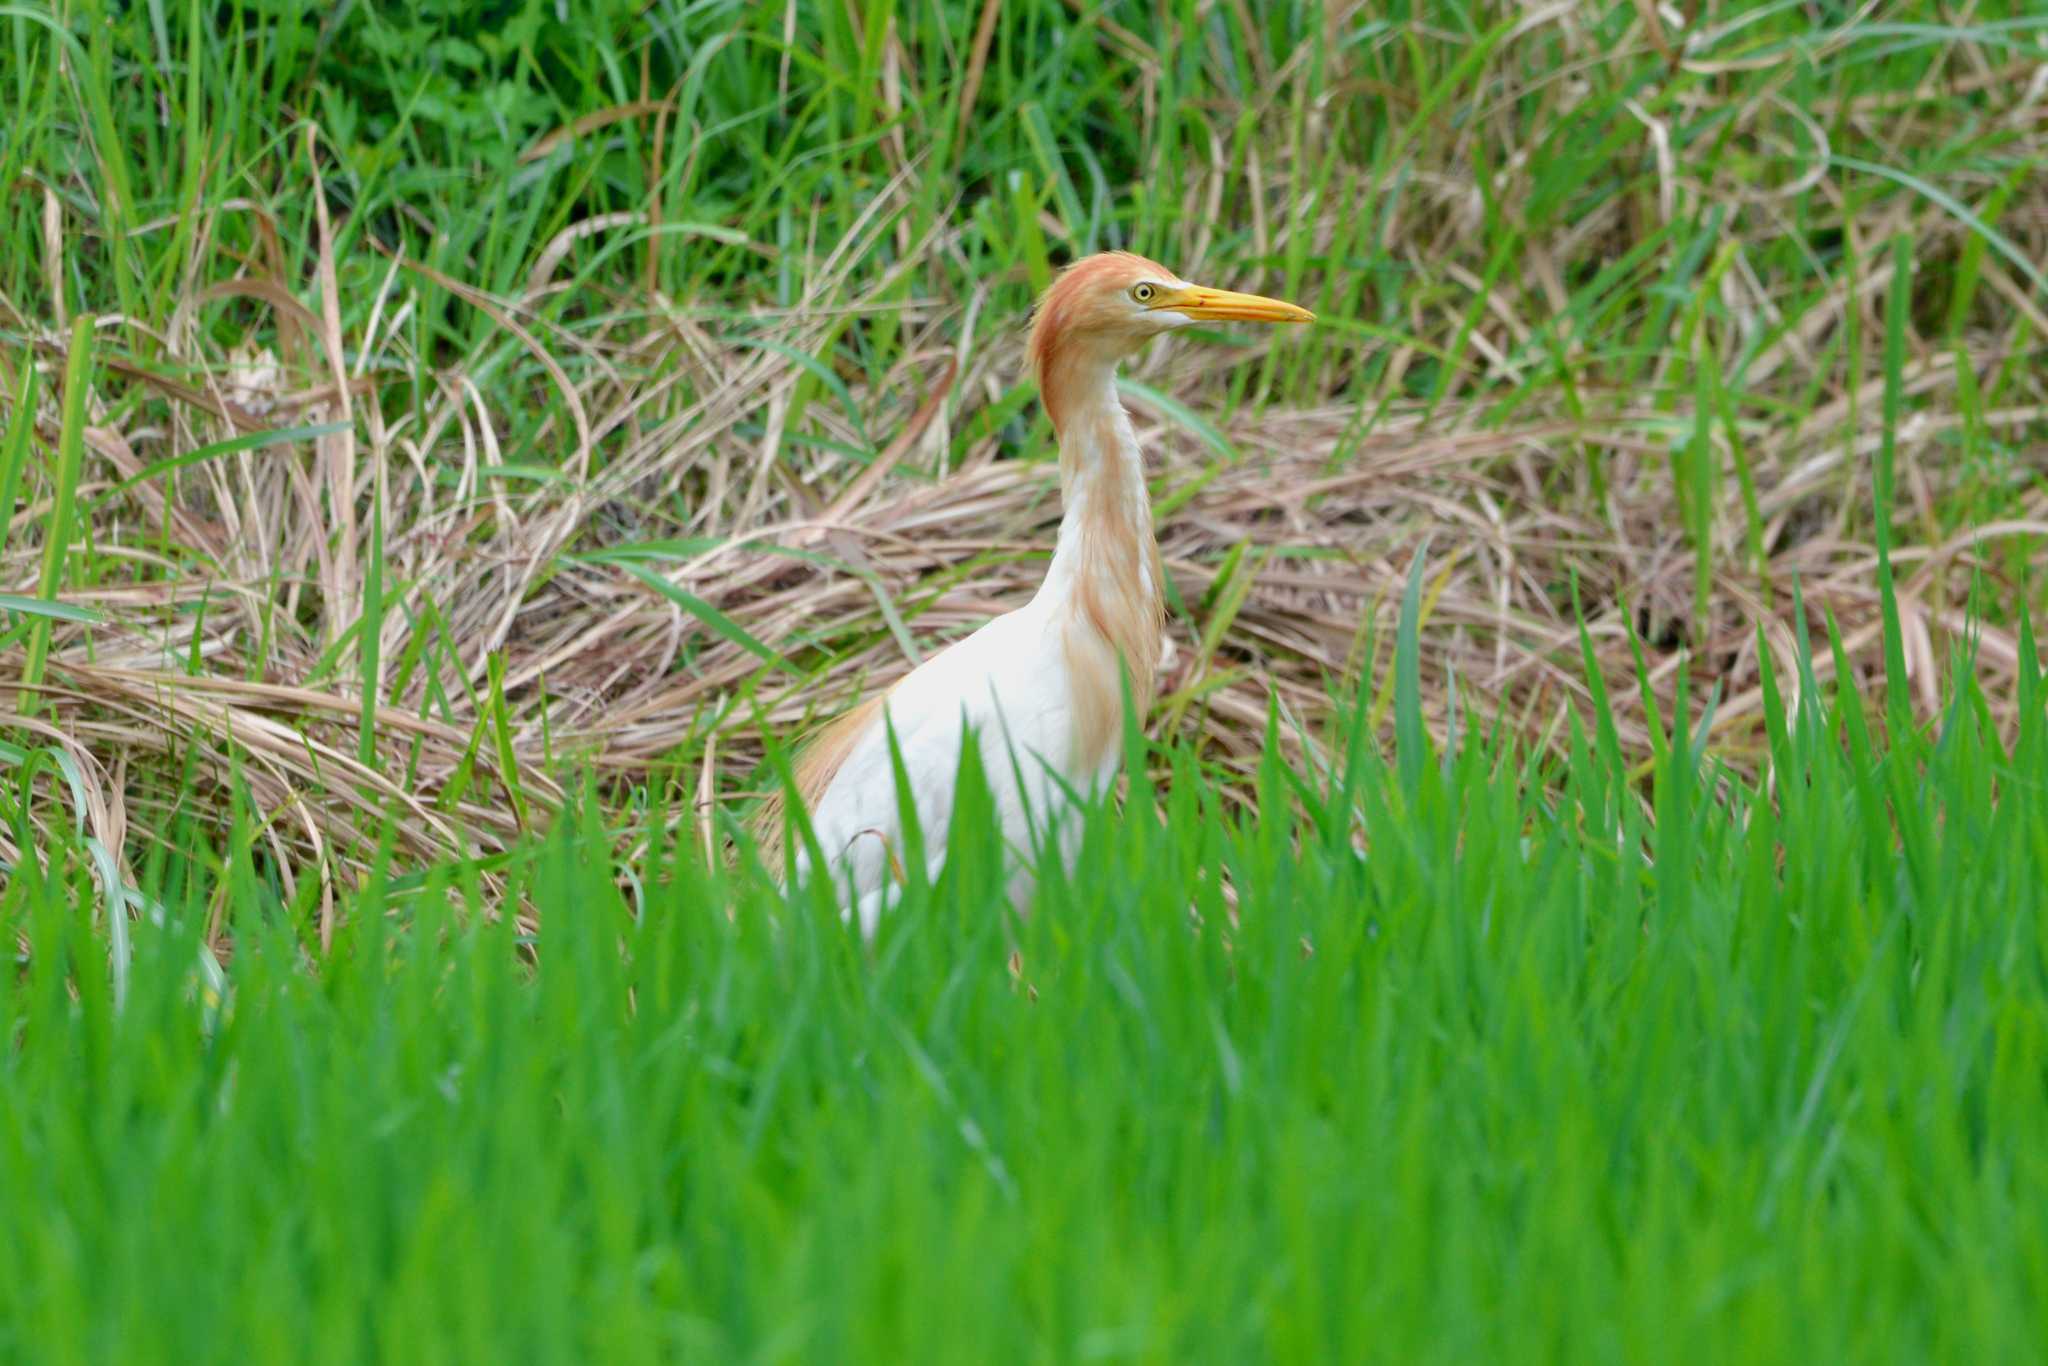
[1039,689]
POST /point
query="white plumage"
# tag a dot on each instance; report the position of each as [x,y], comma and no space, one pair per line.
[1039,688]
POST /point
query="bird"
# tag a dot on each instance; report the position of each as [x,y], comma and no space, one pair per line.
[1039,689]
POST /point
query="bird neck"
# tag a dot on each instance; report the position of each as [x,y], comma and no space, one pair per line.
[1105,580]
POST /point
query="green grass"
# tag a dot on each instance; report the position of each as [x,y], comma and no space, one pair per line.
[446,137]
[1530,1079]
[1625,939]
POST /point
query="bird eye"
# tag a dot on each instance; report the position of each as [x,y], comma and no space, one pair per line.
[1142,293]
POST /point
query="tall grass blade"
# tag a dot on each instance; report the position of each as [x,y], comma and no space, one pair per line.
[63,498]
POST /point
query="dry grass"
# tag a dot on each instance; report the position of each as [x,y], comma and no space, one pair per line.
[229,587]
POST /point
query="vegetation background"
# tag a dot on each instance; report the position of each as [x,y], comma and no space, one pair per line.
[442,444]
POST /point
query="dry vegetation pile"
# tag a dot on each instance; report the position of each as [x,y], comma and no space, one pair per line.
[633,528]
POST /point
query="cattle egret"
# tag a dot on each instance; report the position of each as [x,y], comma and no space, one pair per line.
[1039,689]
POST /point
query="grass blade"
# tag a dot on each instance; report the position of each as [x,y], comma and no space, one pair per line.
[64,496]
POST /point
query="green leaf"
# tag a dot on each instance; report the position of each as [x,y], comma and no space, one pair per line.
[249,441]
[1183,415]
[1410,739]
[717,621]
[1997,241]
[55,611]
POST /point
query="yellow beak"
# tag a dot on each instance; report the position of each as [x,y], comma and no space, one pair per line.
[1222,305]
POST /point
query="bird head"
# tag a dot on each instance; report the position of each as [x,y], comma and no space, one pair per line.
[1104,307]
[1118,301]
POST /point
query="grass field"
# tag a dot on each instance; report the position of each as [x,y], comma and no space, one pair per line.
[1580,895]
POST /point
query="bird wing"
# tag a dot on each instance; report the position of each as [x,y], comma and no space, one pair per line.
[816,765]
[1006,684]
